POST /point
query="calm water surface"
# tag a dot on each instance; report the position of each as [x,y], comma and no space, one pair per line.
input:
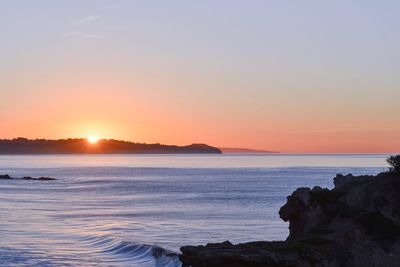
[137,210]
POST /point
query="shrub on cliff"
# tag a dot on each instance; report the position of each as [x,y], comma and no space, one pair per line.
[394,162]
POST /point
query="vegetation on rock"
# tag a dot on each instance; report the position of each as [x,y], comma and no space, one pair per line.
[394,162]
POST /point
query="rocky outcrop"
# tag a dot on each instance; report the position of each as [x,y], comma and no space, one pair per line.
[357,223]
[8,177]
[39,178]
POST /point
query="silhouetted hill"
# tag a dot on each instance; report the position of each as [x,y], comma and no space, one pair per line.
[82,146]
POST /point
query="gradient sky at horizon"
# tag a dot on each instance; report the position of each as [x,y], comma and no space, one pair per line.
[291,76]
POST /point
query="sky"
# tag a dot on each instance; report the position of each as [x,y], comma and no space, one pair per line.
[290,76]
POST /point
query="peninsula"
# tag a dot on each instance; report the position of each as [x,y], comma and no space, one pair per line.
[20,146]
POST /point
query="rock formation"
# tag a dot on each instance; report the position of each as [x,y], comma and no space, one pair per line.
[8,177]
[357,223]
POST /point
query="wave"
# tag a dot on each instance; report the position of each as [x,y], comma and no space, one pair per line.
[131,252]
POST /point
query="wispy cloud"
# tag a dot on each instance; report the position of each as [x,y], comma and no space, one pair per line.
[82,28]
[346,130]
[327,130]
[81,35]
[85,20]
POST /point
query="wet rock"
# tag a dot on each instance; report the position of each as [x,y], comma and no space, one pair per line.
[46,179]
[5,176]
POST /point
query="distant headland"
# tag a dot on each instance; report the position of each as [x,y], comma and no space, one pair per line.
[20,146]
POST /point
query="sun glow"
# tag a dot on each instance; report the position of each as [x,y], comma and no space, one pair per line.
[92,139]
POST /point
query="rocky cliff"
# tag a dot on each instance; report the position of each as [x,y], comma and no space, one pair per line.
[357,223]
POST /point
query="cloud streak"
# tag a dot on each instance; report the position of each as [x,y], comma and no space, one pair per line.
[80,28]
[85,20]
[81,35]
[344,130]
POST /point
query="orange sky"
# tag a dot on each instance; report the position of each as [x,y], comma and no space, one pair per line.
[110,109]
[282,77]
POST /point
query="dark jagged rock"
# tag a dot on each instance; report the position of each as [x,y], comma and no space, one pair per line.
[46,179]
[357,223]
[39,179]
[6,176]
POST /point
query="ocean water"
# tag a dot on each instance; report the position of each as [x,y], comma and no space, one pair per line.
[138,210]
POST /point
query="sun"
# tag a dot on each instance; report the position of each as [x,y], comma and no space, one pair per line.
[92,139]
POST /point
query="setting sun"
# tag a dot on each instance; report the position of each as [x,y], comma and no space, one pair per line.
[92,139]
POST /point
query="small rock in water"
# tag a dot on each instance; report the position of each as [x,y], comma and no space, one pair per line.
[46,179]
[8,177]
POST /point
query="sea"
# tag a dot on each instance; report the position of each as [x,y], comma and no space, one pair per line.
[138,210]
